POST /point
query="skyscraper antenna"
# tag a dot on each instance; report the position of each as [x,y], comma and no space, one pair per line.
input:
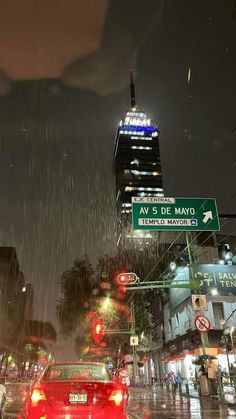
[132,91]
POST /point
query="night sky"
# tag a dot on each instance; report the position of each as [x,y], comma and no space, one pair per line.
[61,102]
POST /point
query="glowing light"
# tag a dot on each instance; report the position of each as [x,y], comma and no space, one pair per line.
[155,134]
[136,147]
[189,74]
[135,129]
[106,304]
[135,161]
[134,188]
[117,397]
[173,266]
[36,396]
[214,291]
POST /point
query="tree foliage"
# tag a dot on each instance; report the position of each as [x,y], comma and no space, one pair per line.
[76,286]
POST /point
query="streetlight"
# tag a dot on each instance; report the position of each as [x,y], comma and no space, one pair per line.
[214,292]
[173,266]
[106,303]
[232,341]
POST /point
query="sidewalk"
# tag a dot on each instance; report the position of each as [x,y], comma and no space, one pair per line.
[229,395]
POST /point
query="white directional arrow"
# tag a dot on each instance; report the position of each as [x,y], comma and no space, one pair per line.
[208,216]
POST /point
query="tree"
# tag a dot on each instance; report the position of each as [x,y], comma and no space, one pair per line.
[76,286]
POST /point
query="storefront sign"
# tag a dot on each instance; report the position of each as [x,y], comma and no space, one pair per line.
[221,277]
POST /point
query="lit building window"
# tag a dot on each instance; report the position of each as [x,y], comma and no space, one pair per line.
[143,173]
[134,188]
[140,138]
[135,161]
[136,147]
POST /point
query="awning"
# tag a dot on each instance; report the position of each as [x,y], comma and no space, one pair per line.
[166,359]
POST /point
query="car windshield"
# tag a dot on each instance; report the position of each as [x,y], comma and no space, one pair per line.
[117,208]
[76,372]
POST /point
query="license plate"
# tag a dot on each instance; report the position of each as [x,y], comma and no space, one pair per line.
[78,397]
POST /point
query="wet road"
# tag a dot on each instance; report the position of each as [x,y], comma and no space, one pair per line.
[144,404]
[163,404]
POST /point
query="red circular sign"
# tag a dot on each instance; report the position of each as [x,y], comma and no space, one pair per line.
[202,323]
[123,373]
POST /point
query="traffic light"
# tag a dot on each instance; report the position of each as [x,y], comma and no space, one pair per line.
[98,330]
[127,278]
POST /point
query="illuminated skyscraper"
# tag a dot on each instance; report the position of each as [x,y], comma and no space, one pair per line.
[137,166]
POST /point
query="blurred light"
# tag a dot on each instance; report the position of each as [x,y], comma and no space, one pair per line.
[24,289]
[214,291]
[106,303]
[227,255]
[117,397]
[189,74]
[173,266]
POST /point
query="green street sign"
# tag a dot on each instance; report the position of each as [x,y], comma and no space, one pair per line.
[186,214]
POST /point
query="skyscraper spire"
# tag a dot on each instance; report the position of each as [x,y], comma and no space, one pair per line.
[132,91]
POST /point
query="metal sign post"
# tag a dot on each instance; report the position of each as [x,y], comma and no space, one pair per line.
[202,324]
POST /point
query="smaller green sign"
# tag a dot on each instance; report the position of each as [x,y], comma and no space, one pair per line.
[186,214]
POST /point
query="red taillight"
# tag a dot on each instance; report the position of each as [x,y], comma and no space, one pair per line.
[117,397]
[37,396]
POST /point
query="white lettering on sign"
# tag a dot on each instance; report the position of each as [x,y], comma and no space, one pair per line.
[227,276]
[143,210]
[166,210]
[184,211]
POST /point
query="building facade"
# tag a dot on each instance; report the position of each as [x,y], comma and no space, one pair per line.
[16,298]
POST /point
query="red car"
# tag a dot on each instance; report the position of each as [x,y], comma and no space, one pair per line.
[81,390]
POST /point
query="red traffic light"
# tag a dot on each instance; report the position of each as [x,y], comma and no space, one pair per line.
[98,330]
[127,278]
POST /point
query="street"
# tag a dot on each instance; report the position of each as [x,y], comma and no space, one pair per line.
[144,404]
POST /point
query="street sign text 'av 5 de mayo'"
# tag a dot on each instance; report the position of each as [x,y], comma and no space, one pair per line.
[161,213]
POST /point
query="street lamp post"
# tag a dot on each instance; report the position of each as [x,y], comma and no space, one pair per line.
[232,342]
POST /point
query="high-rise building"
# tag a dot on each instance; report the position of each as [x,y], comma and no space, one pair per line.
[137,167]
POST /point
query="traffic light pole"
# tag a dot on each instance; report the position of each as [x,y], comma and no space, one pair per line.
[132,309]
